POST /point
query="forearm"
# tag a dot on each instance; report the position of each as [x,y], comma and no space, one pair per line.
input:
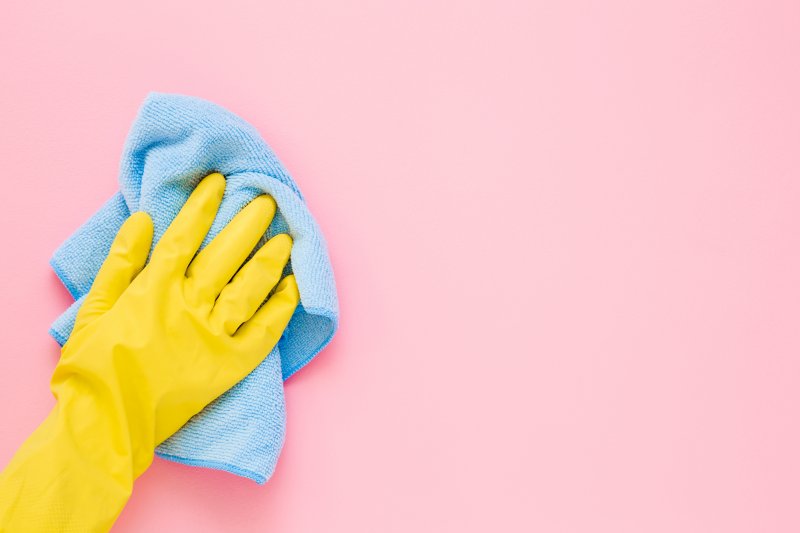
[74,473]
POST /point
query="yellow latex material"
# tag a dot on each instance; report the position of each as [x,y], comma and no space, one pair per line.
[152,346]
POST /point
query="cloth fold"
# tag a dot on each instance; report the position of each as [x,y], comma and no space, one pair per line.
[174,142]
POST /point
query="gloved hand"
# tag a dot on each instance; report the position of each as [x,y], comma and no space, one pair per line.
[152,346]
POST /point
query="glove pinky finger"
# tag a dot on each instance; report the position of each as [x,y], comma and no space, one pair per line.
[267,324]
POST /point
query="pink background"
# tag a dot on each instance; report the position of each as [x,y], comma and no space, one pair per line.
[566,236]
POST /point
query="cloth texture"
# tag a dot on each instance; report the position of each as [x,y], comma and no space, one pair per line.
[174,142]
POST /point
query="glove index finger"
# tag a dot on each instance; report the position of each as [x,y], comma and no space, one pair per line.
[185,234]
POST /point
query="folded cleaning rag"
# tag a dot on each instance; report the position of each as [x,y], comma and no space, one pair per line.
[174,142]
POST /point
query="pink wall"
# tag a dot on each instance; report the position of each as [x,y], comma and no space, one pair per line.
[565,235]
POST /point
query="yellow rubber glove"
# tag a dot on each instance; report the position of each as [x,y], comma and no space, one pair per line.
[152,346]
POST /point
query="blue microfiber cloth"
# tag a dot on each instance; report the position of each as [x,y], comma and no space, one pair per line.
[174,142]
